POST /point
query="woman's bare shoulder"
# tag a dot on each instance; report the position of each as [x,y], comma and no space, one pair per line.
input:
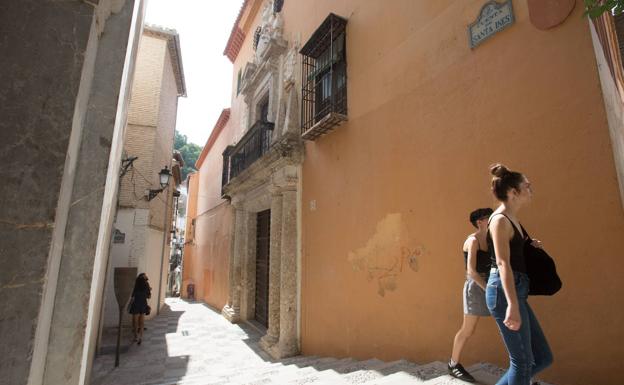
[470,242]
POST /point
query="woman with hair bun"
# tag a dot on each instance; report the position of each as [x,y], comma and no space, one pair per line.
[477,262]
[508,286]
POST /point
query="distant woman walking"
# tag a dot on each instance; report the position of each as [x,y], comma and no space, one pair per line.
[508,286]
[477,269]
[138,305]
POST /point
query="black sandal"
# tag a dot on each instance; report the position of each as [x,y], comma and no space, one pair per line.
[460,373]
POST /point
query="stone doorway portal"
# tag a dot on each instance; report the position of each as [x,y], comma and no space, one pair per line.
[263,240]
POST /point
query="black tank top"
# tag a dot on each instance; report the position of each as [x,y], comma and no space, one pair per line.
[483,260]
[516,249]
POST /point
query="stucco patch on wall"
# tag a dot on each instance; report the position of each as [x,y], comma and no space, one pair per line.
[387,254]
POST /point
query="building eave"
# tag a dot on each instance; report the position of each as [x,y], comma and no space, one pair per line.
[216,131]
[240,28]
[173,45]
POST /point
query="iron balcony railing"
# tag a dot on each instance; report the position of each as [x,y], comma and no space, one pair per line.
[252,146]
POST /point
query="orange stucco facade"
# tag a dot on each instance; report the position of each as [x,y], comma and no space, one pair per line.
[427,115]
[385,197]
[190,259]
[209,222]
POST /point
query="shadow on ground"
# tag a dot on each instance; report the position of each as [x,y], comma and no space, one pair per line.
[148,362]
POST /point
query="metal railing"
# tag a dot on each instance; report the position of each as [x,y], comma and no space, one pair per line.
[252,146]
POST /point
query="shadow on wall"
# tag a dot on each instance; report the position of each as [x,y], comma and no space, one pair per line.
[387,254]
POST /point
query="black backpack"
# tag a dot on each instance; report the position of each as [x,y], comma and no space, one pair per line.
[541,269]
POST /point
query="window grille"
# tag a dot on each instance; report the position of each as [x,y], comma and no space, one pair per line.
[324,78]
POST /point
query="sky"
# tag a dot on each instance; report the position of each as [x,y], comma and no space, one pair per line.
[204,27]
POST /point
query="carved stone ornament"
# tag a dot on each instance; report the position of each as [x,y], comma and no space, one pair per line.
[547,14]
[271,27]
[290,64]
[248,73]
[256,37]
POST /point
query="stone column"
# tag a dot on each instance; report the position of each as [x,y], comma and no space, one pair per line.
[288,275]
[272,336]
[231,311]
[248,268]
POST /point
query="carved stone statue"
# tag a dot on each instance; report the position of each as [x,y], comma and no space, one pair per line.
[271,28]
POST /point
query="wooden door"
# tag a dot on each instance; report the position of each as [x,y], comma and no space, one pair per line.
[263,236]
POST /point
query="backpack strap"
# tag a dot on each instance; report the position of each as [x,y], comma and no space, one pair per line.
[524,233]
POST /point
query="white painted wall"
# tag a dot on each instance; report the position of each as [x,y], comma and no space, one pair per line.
[150,263]
[120,256]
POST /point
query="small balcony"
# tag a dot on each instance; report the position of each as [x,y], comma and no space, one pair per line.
[252,146]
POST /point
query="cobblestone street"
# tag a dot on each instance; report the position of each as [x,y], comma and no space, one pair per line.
[190,343]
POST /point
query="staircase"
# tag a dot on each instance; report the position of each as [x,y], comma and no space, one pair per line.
[316,370]
[192,344]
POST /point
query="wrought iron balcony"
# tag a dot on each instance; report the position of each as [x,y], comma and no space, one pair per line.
[252,146]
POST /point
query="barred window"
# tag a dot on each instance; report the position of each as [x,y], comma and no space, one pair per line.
[324,82]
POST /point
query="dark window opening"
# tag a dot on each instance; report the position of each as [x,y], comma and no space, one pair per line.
[238,82]
[263,109]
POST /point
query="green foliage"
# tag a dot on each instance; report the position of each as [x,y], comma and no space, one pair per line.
[189,151]
[179,140]
[595,8]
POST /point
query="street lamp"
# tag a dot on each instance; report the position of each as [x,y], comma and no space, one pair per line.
[164,175]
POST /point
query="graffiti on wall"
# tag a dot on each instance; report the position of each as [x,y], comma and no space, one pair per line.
[387,254]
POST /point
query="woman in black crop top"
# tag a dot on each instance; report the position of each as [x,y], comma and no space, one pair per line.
[508,285]
[477,261]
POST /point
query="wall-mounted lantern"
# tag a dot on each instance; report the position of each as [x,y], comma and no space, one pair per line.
[164,175]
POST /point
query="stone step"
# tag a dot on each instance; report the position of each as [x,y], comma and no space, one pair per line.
[301,361]
[398,378]
[397,366]
[288,372]
[327,370]
[226,370]
[355,366]
[428,371]
[336,365]
[365,371]
[324,377]
[266,373]
[310,372]
[319,362]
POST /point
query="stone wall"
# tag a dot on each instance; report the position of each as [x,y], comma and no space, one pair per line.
[38,108]
[163,144]
[63,129]
[139,142]
[147,86]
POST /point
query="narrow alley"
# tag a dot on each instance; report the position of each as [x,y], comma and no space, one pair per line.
[192,344]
